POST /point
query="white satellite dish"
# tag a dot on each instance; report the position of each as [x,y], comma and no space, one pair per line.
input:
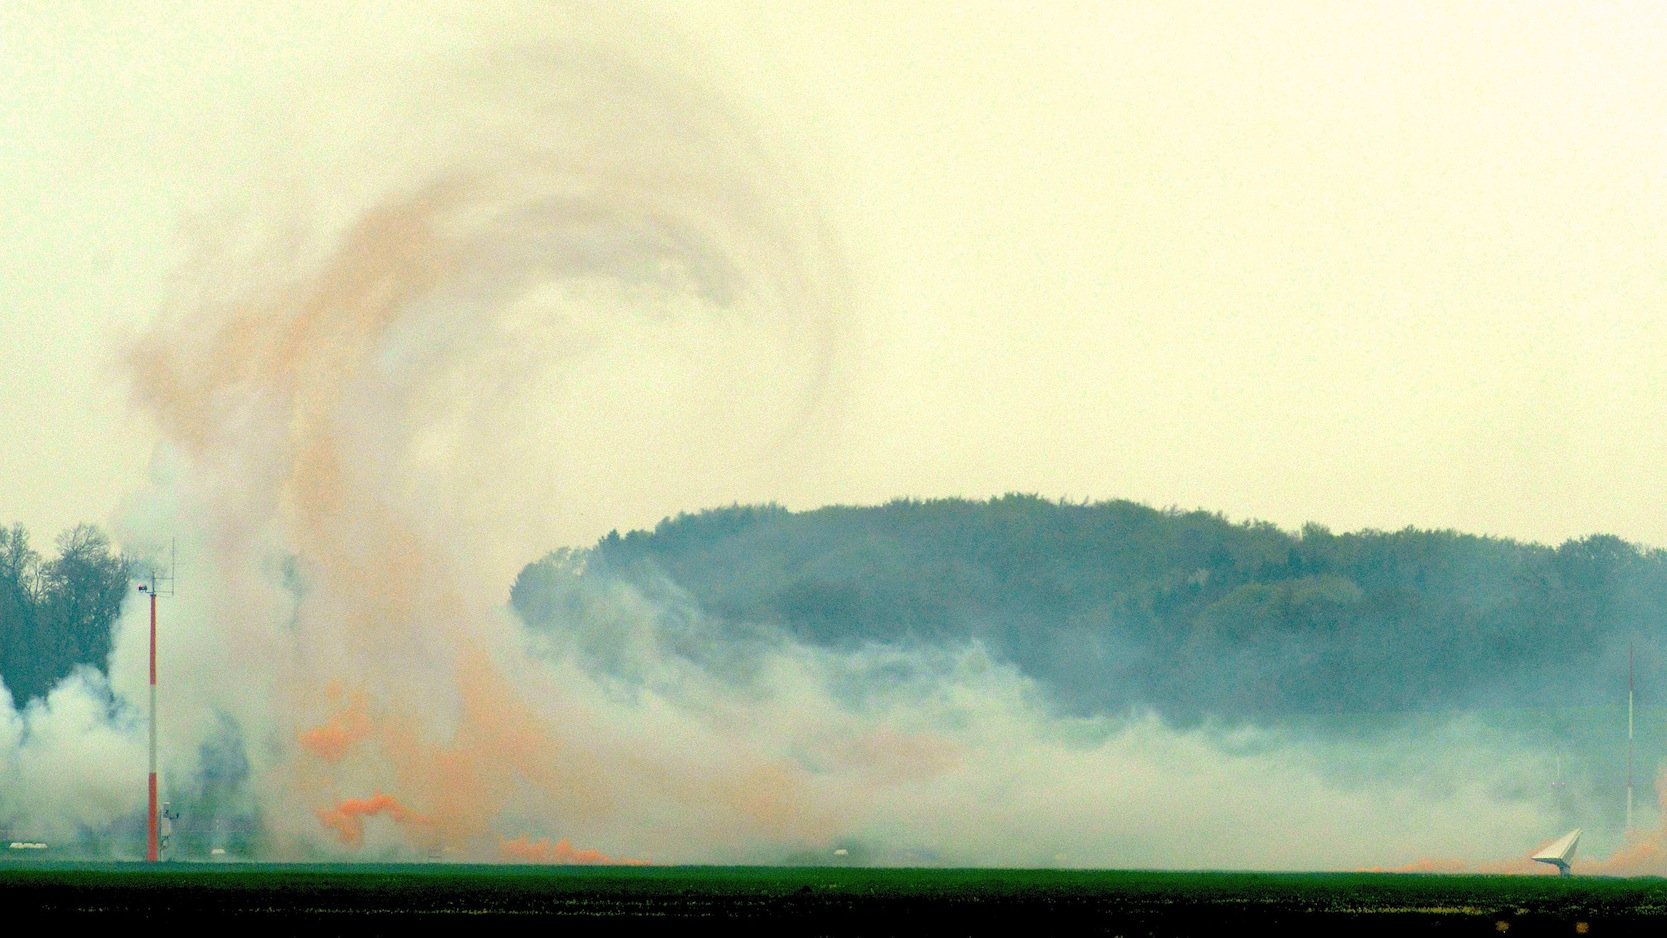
[1561,851]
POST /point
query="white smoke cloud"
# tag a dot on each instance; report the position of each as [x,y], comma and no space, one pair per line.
[946,756]
[70,762]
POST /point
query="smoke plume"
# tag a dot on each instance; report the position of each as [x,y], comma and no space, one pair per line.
[327,400]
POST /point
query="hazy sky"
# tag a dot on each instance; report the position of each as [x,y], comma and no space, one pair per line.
[1366,264]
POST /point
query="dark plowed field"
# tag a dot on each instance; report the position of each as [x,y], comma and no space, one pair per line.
[405,900]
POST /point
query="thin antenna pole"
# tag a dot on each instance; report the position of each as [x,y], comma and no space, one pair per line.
[150,812]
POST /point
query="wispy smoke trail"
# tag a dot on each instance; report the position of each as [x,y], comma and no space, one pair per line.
[347,819]
[305,405]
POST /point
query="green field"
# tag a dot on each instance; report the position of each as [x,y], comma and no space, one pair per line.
[835,901]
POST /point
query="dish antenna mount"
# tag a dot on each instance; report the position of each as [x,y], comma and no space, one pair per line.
[1560,853]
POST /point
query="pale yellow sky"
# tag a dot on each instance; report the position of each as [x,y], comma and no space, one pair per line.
[1365,264]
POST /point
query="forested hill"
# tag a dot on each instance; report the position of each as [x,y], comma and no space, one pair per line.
[1115,604]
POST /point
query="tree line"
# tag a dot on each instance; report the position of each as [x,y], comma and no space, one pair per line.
[1116,605]
[1108,605]
[57,614]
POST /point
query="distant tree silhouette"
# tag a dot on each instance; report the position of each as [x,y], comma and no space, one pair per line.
[57,615]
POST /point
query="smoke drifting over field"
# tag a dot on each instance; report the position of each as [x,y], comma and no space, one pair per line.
[372,407]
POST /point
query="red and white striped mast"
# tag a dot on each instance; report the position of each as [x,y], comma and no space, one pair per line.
[150,810]
[152,840]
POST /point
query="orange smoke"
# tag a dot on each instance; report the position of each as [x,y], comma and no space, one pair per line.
[347,819]
[289,383]
[523,850]
[332,739]
[1644,853]
[1516,866]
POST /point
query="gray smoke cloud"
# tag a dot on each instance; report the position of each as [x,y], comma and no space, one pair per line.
[63,760]
[556,272]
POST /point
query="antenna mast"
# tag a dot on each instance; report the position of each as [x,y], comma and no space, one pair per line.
[157,585]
